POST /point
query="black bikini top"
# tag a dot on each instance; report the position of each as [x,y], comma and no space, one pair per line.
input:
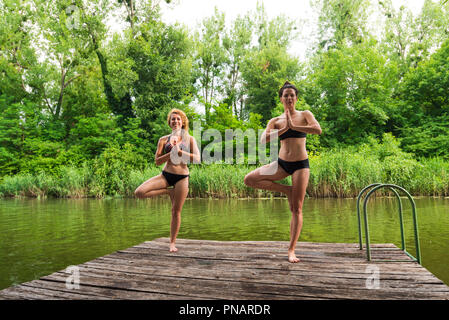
[292,134]
[168,146]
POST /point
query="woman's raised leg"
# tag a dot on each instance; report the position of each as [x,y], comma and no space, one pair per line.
[155,186]
[264,177]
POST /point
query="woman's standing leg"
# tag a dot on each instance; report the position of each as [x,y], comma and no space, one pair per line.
[178,197]
[300,180]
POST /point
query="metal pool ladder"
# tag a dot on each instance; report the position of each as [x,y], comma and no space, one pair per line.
[394,188]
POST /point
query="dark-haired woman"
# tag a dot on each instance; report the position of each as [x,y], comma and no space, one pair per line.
[291,127]
[176,150]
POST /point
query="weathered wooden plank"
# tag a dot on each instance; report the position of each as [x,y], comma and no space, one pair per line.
[21,292]
[58,294]
[254,274]
[323,251]
[255,258]
[263,246]
[211,266]
[219,289]
[269,246]
[201,289]
[308,256]
[218,269]
[4,296]
[258,245]
[275,260]
[281,264]
[266,243]
[268,277]
[356,254]
[100,292]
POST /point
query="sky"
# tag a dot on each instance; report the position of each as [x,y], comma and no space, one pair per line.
[191,12]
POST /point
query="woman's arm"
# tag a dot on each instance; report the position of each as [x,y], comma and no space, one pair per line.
[160,157]
[271,132]
[312,126]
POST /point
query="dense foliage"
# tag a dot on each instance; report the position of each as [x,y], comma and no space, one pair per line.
[84,106]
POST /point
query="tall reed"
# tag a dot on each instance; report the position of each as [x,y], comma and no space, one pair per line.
[342,174]
[430,178]
[332,174]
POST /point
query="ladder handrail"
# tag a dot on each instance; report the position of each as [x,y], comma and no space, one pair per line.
[392,187]
[358,211]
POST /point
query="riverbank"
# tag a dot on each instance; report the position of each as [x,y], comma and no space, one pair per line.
[334,174]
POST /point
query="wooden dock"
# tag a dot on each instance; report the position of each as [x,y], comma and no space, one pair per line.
[244,270]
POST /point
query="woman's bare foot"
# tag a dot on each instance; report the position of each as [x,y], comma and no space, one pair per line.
[292,257]
[173,248]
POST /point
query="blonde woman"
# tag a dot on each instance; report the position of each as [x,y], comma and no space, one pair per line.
[176,150]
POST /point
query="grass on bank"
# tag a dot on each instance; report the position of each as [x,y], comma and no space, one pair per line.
[332,174]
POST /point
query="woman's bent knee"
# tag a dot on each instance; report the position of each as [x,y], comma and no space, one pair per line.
[139,193]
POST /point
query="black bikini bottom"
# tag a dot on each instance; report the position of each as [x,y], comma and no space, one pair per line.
[292,166]
[172,178]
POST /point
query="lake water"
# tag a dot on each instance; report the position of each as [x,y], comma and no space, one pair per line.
[39,237]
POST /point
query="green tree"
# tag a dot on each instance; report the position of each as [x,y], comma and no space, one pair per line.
[17,55]
[163,63]
[430,31]
[408,39]
[93,23]
[268,64]
[237,43]
[210,59]
[11,135]
[341,22]
[350,93]
[134,10]
[67,50]
[424,103]
[264,72]
[398,33]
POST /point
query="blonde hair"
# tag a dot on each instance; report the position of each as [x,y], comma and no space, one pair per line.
[185,122]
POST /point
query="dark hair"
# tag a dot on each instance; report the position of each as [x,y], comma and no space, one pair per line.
[287,85]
